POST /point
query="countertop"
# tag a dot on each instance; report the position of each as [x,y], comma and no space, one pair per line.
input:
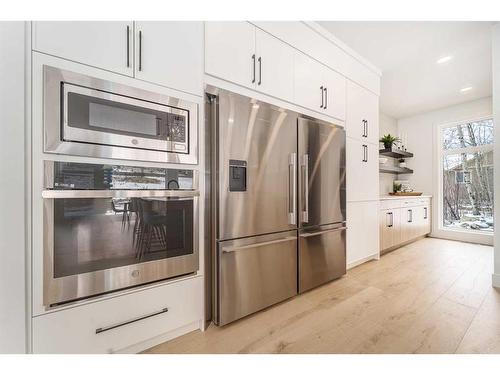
[384,197]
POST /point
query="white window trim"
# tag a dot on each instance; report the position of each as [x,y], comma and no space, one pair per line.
[438,228]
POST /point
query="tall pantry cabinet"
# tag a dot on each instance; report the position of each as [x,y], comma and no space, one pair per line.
[362,179]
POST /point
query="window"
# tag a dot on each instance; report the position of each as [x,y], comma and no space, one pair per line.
[467,176]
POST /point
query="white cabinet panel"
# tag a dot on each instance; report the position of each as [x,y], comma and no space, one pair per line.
[274,66]
[390,228]
[362,231]
[171,54]
[229,47]
[335,94]
[308,91]
[362,117]
[74,330]
[97,43]
[361,170]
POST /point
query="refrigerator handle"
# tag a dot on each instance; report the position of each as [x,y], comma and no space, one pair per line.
[292,189]
[305,187]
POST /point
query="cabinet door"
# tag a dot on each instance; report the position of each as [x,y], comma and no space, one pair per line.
[362,179]
[362,231]
[170,53]
[426,220]
[230,52]
[362,117]
[309,85]
[274,68]
[409,223]
[335,94]
[103,44]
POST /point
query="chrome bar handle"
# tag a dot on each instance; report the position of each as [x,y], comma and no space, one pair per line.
[292,186]
[322,97]
[303,235]
[425,213]
[305,187]
[140,50]
[410,216]
[326,97]
[128,46]
[69,194]
[232,249]
[104,329]
[390,220]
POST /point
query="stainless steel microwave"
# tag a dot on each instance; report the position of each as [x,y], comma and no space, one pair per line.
[88,116]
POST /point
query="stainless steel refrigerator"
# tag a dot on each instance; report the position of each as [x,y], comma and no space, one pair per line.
[276,198]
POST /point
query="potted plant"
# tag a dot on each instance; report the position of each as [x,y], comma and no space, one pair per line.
[396,187]
[388,140]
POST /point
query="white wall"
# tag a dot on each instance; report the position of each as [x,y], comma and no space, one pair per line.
[12,188]
[421,131]
[496,112]
[387,124]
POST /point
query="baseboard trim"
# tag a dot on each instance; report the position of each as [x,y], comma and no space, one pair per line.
[363,260]
[141,346]
[495,280]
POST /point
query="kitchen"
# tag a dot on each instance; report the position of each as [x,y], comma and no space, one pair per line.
[174,204]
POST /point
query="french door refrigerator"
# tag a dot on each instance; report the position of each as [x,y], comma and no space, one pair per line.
[322,202]
[268,239]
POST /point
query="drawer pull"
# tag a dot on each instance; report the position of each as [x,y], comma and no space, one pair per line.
[104,329]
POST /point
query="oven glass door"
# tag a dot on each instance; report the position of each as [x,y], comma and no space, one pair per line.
[99,117]
[93,234]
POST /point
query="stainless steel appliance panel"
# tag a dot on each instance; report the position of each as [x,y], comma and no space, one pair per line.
[321,163]
[255,273]
[257,146]
[322,255]
[118,112]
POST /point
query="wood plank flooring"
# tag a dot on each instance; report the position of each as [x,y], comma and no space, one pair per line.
[431,296]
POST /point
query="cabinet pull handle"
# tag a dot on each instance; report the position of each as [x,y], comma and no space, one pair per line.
[322,97]
[128,46]
[410,216]
[326,97]
[140,50]
[260,70]
[390,219]
[365,153]
[425,212]
[253,59]
[366,127]
[104,329]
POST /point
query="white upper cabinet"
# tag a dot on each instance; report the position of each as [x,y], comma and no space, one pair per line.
[362,114]
[105,45]
[170,54]
[319,88]
[335,93]
[309,86]
[274,66]
[230,52]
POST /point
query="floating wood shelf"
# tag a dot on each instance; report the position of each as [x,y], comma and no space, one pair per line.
[394,170]
[395,153]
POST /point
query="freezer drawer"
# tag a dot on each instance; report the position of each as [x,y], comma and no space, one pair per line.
[322,255]
[255,273]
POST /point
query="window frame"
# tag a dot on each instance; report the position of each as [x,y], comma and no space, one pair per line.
[458,233]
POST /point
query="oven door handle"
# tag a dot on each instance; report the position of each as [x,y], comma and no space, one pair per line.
[61,194]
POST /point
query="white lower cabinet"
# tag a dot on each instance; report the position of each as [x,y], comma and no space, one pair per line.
[361,170]
[403,220]
[116,323]
[362,231]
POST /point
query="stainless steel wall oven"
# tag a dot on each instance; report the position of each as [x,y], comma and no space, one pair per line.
[109,227]
[93,117]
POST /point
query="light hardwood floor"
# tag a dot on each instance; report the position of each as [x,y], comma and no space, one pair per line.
[432,296]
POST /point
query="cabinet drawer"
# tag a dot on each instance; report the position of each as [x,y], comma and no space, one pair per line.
[117,323]
[415,202]
[388,204]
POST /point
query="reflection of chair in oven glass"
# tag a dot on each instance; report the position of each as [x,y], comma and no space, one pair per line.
[121,206]
[150,230]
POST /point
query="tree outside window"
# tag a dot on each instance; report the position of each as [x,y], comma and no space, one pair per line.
[467,168]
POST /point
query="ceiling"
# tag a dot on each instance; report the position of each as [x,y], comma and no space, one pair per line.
[407,53]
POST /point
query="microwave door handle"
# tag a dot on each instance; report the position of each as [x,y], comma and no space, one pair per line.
[62,194]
